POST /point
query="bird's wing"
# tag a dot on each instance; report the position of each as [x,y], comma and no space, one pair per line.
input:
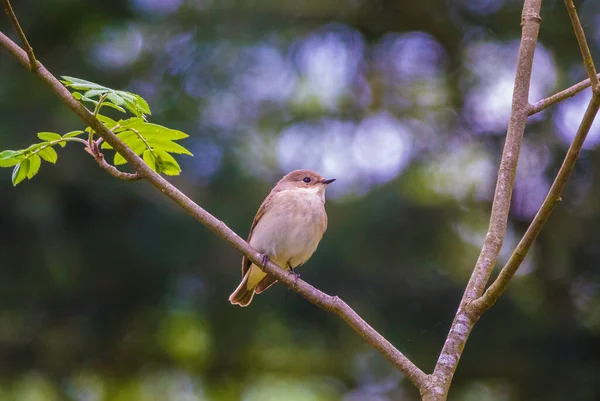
[261,211]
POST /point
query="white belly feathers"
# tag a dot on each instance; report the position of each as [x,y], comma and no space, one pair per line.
[291,231]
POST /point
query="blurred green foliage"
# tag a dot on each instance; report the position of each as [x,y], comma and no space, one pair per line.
[110,292]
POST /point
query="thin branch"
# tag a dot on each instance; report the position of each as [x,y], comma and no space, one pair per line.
[494,292]
[112,170]
[28,49]
[588,61]
[553,198]
[560,96]
[327,302]
[439,382]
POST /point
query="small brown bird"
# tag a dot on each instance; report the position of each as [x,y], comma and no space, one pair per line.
[287,229]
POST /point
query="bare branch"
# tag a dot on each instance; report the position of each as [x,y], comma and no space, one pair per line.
[560,96]
[28,49]
[553,198]
[327,302]
[439,382]
[494,292]
[588,62]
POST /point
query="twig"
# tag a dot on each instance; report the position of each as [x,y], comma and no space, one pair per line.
[465,319]
[497,288]
[588,62]
[91,133]
[333,304]
[28,49]
[560,96]
[112,170]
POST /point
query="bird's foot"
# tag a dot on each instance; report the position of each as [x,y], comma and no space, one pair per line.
[293,271]
[264,258]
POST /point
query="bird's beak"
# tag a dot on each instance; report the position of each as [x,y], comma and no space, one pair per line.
[328,181]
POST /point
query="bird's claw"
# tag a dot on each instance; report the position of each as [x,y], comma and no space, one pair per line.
[264,258]
[293,271]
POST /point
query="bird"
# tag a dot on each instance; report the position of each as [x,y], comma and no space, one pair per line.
[287,229]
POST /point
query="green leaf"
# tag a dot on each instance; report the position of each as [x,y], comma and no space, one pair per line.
[133,122]
[128,136]
[95,92]
[72,134]
[86,99]
[150,160]
[49,136]
[114,106]
[48,154]
[137,145]
[118,160]
[34,166]
[169,146]
[10,162]
[148,129]
[167,163]
[80,84]
[33,147]
[9,158]
[130,97]
[134,103]
[7,154]
[142,104]
[107,121]
[20,172]
[116,99]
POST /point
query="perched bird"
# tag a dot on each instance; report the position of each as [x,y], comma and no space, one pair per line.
[287,229]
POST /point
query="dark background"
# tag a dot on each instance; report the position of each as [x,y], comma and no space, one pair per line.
[109,292]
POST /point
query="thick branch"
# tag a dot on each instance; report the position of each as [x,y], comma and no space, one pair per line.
[552,199]
[588,62]
[333,304]
[465,319]
[13,18]
[560,96]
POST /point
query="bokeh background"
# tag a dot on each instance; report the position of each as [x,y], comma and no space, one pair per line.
[109,292]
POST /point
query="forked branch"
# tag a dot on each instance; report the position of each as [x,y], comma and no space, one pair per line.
[560,96]
[465,319]
[493,293]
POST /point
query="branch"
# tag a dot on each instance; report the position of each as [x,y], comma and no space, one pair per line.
[552,199]
[465,319]
[499,285]
[28,49]
[112,170]
[327,302]
[588,62]
[560,96]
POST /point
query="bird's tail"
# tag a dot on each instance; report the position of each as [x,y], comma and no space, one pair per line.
[242,296]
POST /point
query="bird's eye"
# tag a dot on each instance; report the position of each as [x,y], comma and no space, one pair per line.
[306,180]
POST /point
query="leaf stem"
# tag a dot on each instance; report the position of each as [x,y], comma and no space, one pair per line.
[96,110]
[52,143]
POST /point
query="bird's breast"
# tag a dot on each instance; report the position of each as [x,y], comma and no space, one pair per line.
[292,228]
